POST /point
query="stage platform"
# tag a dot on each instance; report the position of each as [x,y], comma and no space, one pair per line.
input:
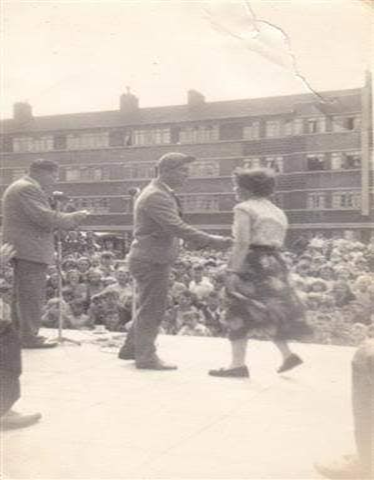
[103,419]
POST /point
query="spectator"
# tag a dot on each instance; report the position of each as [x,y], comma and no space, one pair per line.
[176,287]
[186,301]
[213,314]
[78,319]
[83,266]
[106,264]
[52,286]
[122,286]
[72,280]
[200,285]
[94,283]
[51,315]
[191,325]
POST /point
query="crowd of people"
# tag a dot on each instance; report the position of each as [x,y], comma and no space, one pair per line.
[333,277]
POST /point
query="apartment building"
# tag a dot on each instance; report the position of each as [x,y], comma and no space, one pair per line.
[320,147]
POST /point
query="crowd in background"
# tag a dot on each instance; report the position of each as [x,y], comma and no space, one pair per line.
[334,278]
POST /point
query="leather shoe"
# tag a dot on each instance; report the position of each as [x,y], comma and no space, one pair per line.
[38,343]
[347,467]
[12,420]
[126,353]
[155,364]
[238,372]
[291,361]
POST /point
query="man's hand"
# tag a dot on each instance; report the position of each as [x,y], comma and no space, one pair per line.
[6,253]
[218,241]
[79,216]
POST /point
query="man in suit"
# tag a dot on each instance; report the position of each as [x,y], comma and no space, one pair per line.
[28,225]
[158,226]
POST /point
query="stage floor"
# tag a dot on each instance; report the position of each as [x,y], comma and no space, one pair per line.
[103,419]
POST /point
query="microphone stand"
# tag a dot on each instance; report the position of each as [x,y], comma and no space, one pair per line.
[60,337]
[134,193]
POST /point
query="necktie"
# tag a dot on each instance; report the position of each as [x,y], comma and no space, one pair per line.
[179,204]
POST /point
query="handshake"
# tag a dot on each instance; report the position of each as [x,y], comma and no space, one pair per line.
[220,242]
[78,217]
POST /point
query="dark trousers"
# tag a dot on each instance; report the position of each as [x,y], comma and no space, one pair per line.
[363,404]
[152,281]
[10,368]
[29,297]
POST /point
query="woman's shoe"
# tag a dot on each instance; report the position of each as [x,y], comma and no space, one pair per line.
[291,361]
[238,372]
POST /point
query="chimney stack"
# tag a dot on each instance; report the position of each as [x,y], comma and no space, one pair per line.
[129,103]
[195,99]
[22,112]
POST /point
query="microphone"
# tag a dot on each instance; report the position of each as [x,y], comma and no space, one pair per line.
[60,196]
[133,191]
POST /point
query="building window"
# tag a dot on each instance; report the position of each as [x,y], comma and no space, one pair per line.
[352,160]
[158,136]
[252,163]
[196,134]
[345,160]
[138,170]
[60,142]
[274,163]
[272,128]
[346,123]
[89,173]
[316,162]
[6,144]
[251,131]
[204,169]
[127,205]
[87,140]
[200,203]
[337,161]
[316,201]
[17,173]
[346,200]
[316,125]
[72,174]
[95,205]
[33,144]
[298,126]
[288,127]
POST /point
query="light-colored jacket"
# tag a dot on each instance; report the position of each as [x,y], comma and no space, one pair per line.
[29,221]
[158,226]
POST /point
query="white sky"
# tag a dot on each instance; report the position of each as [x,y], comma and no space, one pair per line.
[75,56]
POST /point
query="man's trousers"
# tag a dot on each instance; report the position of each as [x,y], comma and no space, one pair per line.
[29,297]
[10,368]
[152,281]
[363,404]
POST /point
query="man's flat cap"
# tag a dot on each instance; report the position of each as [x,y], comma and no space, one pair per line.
[173,160]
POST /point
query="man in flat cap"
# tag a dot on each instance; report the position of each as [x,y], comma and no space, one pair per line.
[158,226]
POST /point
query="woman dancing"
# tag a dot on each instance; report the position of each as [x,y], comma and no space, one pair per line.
[258,293]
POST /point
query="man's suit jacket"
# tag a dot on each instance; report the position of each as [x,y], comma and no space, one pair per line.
[158,226]
[29,221]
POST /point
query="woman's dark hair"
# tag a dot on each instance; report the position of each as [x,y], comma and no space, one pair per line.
[259,181]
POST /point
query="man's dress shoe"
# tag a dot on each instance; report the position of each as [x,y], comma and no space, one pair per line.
[38,342]
[13,420]
[154,364]
[126,353]
[238,372]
